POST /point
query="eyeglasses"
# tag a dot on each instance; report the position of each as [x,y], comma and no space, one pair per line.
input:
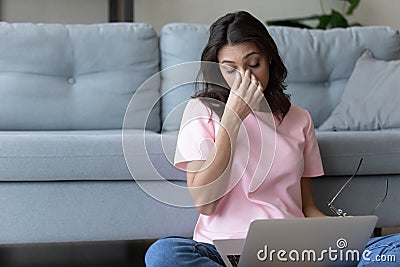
[340,212]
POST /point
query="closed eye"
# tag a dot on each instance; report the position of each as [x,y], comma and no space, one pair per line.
[229,70]
[255,65]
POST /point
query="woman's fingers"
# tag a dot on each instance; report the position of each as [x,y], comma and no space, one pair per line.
[255,84]
[248,73]
[254,93]
[237,81]
[246,81]
[248,94]
[260,86]
[248,86]
[260,89]
[254,80]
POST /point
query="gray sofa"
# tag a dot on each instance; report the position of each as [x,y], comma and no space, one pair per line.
[67,156]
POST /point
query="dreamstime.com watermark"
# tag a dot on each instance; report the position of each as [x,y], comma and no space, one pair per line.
[340,253]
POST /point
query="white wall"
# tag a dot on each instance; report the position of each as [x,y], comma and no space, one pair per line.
[54,11]
[160,12]
[382,12]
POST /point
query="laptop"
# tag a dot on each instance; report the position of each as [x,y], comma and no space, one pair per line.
[322,241]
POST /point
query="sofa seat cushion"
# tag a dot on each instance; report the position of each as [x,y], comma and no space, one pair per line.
[150,156]
[99,155]
[341,152]
[75,155]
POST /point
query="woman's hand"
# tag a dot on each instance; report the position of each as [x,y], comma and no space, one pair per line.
[245,96]
[308,205]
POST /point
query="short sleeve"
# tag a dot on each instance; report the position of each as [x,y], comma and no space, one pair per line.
[312,157]
[196,136]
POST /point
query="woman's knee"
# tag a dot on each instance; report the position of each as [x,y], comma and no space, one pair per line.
[388,241]
[163,252]
[382,251]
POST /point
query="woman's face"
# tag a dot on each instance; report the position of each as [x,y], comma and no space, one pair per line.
[239,57]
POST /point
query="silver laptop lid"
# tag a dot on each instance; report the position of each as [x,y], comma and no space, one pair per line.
[324,241]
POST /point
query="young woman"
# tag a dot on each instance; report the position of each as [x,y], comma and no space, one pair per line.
[243,161]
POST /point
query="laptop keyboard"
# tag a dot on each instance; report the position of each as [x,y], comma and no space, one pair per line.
[233,259]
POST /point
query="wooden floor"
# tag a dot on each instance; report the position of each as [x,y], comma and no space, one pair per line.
[86,254]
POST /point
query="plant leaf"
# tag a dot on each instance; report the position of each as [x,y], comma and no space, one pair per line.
[324,21]
[338,20]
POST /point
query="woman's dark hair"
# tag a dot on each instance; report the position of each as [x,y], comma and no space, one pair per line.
[236,28]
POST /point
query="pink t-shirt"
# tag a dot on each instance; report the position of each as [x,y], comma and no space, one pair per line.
[268,162]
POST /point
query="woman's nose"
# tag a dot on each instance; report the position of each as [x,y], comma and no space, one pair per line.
[242,71]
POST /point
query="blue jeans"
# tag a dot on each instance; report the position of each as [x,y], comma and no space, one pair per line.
[178,251]
[383,249]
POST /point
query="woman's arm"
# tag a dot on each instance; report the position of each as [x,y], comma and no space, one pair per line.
[207,180]
[309,208]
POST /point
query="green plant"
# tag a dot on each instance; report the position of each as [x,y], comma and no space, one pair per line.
[325,21]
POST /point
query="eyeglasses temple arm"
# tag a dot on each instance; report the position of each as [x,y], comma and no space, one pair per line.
[341,189]
[384,197]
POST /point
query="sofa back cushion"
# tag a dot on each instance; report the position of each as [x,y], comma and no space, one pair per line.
[179,43]
[319,62]
[69,77]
